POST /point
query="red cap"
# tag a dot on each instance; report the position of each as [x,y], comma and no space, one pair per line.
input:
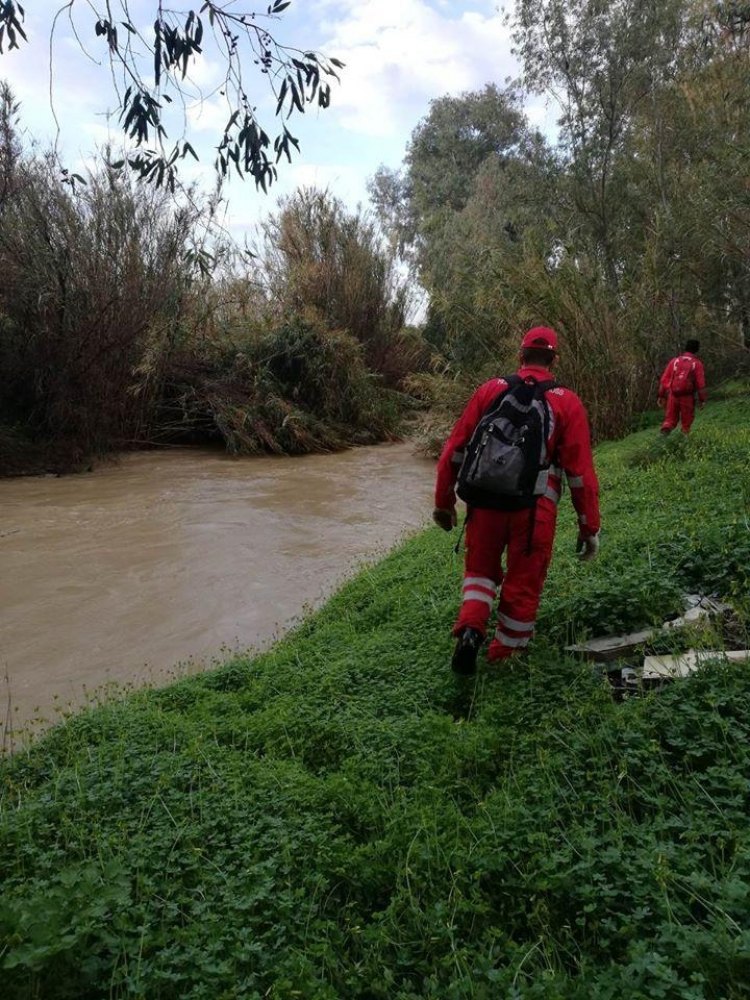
[540,336]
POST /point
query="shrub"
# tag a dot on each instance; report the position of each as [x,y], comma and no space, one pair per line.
[296,389]
[331,265]
[93,279]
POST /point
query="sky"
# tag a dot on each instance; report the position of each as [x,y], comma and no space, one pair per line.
[399,54]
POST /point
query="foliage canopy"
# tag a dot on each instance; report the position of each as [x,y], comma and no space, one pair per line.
[628,229]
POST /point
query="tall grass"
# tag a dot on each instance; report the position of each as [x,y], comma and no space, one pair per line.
[340,817]
[323,261]
[114,334]
[93,279]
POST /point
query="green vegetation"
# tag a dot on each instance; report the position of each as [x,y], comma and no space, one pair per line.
[128,318]
[127,321]
[626,231]
[340,817]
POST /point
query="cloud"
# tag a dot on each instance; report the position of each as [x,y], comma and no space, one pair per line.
[210,115]
[401,55]
[247,207]
[543,113]
[343,180]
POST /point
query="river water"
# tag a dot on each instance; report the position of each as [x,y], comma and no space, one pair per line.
[164,562]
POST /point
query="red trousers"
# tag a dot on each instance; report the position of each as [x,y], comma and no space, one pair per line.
[679,409]
[526,538]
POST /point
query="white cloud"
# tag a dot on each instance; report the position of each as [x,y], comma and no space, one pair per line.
[401,55]
[341,179]
[246,207]
[210,115]
[543,114]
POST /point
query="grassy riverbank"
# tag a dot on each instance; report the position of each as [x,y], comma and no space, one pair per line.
[340,818]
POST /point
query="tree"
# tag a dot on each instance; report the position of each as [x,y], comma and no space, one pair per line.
[95,283]
[602,62]
[152,69]
[630,235]
[689,169]
[10,147]
[476,175]
[456,140]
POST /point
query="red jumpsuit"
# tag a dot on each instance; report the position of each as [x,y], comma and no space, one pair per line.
[526,536]
[681,405]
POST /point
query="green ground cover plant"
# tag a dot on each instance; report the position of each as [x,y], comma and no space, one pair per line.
[342,818]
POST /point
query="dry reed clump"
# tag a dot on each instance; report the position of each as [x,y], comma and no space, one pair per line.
[92,280]
[331,265]
[117,330]
[294,390]
[442,393]
[112,337]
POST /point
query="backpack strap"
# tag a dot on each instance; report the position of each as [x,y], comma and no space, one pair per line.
[546,386]
[512,381]
[541,389]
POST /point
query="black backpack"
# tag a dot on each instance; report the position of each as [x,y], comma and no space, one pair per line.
[506,465]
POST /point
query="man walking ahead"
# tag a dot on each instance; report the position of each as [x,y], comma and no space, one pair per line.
[506,455]
[682,378]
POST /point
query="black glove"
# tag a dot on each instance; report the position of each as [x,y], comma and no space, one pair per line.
[446,519]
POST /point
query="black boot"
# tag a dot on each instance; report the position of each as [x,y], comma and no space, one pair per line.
[465,655]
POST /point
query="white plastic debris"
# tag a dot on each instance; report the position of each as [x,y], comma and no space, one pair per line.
[613,647]
[683,664]
[707,608]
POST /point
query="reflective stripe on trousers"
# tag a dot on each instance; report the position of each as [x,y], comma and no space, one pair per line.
[490,536]
[514,642]
[480,588]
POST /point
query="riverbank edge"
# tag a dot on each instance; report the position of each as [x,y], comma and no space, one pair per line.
[22,458]
[654,450]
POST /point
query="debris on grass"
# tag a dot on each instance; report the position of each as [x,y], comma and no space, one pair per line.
[684,664]
[605,649]
[658,672]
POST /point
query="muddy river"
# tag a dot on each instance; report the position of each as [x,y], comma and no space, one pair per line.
[163,563]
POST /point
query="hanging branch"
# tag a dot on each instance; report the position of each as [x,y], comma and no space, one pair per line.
[151,69]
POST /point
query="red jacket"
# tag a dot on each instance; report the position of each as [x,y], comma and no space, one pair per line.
[699,377]
[569,445]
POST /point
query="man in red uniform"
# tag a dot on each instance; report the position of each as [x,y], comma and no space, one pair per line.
[683,377]
[525,536]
